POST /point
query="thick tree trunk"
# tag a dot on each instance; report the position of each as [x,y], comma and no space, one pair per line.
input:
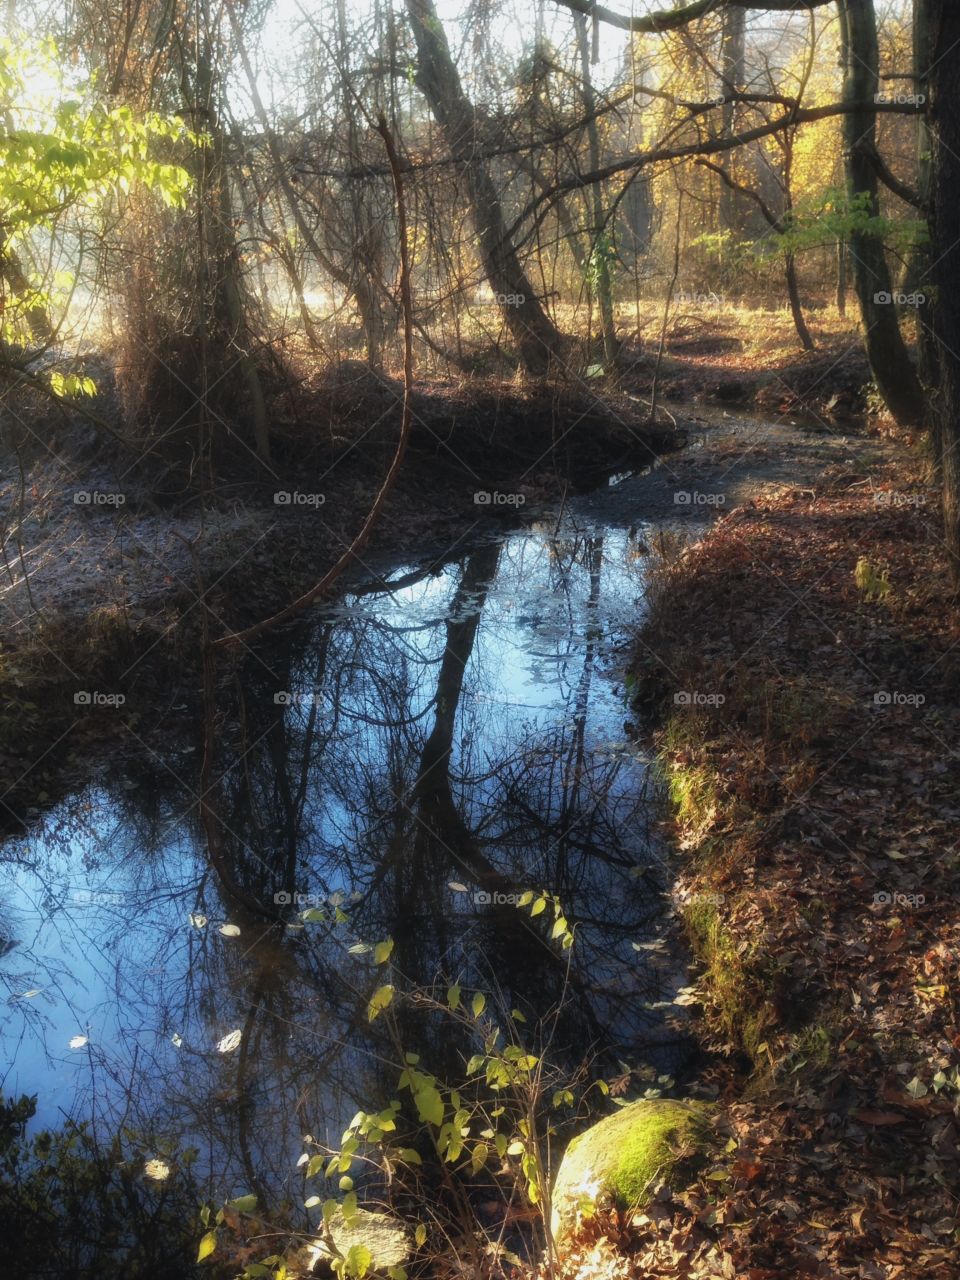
[923,259]
[534,333]
[944,122]
[733,71]
[890,361]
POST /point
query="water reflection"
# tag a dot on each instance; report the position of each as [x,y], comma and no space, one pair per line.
[418,756]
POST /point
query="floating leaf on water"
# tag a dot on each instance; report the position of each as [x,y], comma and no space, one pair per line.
[230,930]
[230,1042]
[456,886]
[197,920]
[176,1040]
[28,995]
[158,1170]
[78,1042]
[359,949]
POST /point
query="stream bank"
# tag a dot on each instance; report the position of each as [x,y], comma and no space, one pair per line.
[801,665]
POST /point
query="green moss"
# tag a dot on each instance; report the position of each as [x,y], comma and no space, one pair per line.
[620,1158]
[740,988]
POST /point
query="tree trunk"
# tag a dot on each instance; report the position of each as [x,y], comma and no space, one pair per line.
[600,279]
[842,276]
[733,71]
[889,359]
[796,306]
[922,259]
[944,123]
[536,337]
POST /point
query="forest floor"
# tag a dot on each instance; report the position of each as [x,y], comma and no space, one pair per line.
[802,662]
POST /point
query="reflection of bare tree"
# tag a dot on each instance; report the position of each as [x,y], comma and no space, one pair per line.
[410,765]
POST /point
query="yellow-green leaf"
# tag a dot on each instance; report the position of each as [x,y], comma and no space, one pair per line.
[379,1001]
[207,1246]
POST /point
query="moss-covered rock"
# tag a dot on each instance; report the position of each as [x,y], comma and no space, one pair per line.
[621,1158]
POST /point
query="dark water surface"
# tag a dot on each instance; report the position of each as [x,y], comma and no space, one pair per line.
[416,756]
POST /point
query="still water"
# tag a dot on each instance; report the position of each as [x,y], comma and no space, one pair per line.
[416,755]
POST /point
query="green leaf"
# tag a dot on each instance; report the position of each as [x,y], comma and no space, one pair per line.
[382,951]
[358,1260]
[349,1206]
[453,996]
[538,906]
[207,1246]
[429,1105]
[379,1001]
[243,1204]
[420,1235]
[409,1156]
[478,1004]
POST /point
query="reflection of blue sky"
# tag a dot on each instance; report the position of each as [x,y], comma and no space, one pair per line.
[129,971]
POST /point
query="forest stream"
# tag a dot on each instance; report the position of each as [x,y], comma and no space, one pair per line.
[418,754]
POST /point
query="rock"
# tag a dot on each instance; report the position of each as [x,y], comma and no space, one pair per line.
[386,1238]
[624,1157]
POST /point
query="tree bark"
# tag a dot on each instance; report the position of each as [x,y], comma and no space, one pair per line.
[923,258]
[537,338]
[944,123]
[890,362]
